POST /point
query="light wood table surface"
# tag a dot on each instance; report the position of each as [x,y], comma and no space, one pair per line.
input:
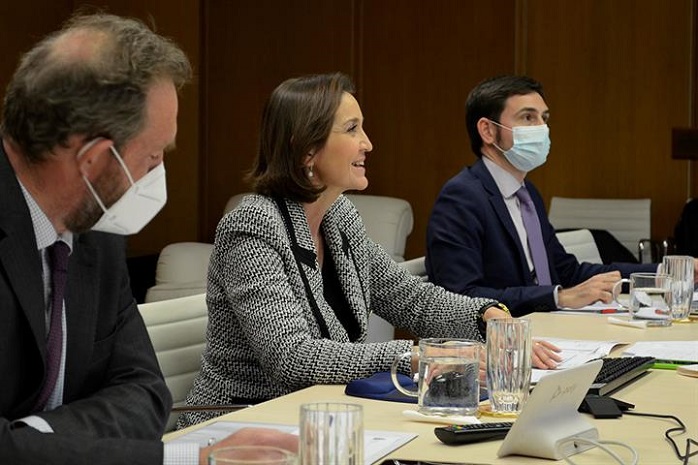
[661,391]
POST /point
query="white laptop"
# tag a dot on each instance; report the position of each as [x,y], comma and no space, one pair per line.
[549,417]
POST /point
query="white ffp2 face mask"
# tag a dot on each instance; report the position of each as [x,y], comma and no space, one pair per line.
[531,146]
[137,206]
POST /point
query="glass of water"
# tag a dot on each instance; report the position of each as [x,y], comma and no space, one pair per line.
[680,269]
[650,297]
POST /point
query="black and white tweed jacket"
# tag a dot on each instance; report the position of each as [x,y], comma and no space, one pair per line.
[263,340]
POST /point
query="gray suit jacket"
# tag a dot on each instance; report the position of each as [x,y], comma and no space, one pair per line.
[115,400]
[263,339]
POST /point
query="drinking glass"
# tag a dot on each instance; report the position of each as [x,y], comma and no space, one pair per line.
[252,455]
[331,433]
[650,297]
[680,269]
[448,376]
[509,363]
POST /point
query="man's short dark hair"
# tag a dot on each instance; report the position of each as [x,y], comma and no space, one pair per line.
[487,100]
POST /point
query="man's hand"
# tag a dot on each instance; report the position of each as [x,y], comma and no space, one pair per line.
[253,437]
[596,288]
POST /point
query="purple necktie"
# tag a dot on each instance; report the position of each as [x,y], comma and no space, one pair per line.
[58,261]
[535,237]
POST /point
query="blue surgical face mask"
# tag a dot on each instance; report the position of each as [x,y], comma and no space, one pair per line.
[531,146]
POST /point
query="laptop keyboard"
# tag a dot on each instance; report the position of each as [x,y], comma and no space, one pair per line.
[617,372]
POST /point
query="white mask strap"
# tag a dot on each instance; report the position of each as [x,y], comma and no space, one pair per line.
[87,147]
[123,165]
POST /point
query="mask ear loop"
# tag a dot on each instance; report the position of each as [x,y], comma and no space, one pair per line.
[501,126]
[87,147]
[82,151]
[123,165]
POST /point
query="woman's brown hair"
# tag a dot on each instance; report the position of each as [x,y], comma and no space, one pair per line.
[296,122]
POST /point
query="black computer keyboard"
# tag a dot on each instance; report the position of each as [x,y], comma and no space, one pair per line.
[618,371]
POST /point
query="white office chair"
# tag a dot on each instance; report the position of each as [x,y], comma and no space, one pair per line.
[388,221]
[417,267]
[628,220]
[581,244]
[180,271]
[177,329]
[182,267]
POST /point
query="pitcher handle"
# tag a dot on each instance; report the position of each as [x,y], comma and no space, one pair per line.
[393,374]
[615,291]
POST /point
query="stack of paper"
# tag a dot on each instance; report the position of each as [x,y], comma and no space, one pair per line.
[575,352]
[377,444]
[666,351]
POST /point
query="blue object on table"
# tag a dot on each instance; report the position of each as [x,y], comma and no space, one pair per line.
[380,387]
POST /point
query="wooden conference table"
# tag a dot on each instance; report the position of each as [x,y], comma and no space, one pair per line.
[661,391]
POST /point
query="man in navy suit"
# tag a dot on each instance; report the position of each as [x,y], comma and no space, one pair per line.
[477,243]
[85,123]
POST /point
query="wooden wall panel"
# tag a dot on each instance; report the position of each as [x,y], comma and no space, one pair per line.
[251,47]
[179,219]
[178,19]
[419,61]
[22,27]
[618,77]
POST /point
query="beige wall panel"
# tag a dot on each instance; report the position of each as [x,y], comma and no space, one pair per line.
[419,61]
[617,76]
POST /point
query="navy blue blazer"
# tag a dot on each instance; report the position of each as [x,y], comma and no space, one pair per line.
[473,247]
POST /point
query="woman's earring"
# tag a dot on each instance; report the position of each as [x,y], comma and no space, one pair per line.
[310,171]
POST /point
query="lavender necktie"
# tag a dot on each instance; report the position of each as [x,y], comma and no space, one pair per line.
[535,237]
[58,261]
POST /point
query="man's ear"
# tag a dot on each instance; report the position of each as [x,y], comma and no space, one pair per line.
[93,155]
[487,131]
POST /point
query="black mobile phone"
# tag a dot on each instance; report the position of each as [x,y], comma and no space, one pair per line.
[422,462]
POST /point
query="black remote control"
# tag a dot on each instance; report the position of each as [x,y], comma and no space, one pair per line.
[465,434]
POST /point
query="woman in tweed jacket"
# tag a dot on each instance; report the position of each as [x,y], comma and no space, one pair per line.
[293,276]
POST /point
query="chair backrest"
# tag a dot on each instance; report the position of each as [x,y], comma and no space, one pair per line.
[182,267]
[388,221]
[177,329]
[181,271]
[234,201]
[628,220]
[417,267]
[581,244]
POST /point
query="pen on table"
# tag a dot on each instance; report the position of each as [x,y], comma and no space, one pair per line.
[608,310]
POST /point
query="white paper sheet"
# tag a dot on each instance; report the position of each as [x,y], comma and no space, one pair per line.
[597,307]
[666,351]
[377,444]
[575,352]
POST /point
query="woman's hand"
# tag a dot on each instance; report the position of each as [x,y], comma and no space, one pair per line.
[545,355]
[495,312]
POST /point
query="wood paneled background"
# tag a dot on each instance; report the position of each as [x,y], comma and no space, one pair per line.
[618,75]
